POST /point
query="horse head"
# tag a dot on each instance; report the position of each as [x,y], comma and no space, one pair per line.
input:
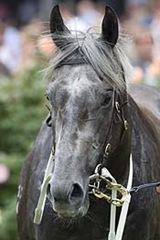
[88,109]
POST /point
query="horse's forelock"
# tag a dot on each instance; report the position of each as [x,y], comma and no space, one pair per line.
[107,62]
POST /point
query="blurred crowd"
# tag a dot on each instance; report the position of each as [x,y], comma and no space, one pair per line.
[22,45]
[142,23]
[140,19]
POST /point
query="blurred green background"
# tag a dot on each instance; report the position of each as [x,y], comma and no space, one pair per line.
[22,110]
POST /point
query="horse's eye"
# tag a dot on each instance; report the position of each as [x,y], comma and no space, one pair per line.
[107,98]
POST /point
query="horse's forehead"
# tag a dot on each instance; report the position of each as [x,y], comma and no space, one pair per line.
[79,86]
[78,81]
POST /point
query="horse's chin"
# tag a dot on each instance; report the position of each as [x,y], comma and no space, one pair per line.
[69,214]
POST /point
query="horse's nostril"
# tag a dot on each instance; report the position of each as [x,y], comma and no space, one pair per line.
[77,192]
[62,194]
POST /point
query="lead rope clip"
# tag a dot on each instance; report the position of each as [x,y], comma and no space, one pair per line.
[114,202]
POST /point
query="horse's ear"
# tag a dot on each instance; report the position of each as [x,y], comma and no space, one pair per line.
[110,26]
[57,25]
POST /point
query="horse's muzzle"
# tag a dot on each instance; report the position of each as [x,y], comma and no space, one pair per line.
[68,200]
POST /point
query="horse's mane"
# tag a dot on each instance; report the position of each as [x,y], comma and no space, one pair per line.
[108,64]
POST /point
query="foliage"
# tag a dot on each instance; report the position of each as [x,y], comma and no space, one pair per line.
[8,225]
[22,110]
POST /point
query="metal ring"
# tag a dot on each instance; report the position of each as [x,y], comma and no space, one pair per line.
[108,149]
[117,106]
[125,124]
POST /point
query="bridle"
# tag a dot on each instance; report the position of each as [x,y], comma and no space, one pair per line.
[101,173]
[118,118]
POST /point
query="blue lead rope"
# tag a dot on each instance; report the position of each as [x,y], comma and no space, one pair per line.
[146,185]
